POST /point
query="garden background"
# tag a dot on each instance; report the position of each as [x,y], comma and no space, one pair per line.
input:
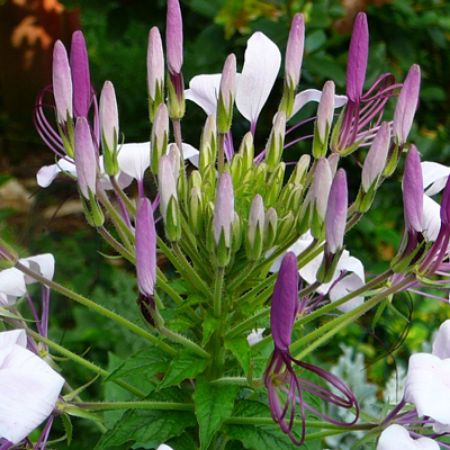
[51,220]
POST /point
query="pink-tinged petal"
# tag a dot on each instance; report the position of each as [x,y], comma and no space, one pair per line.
[357,58]
[427,386]
[81,80]
[86,159]
[62,82]
[262,62]
[441,343]
[314,95]
[407,102]
[434,177]
[29,390]
[134,159]
[47,174]
[431,219]
[155,61]
[413,191]
[395,437]
[174,36]
[43,264]
[204,91]
[145,248]
[12,286]
[224,209]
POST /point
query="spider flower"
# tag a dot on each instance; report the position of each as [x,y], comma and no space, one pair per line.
[395,436]
[285,388]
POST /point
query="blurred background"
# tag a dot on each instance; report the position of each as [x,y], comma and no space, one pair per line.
[402,32]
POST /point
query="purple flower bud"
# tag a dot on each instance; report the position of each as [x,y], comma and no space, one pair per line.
[155,62]
[323,178]
[357,58]
[79,64]
[445,204]
[325,111]
[145,248]
[413,191]
[174,37]
[85,158]
[336,217]
[167,183]
[224,209]
[375,161]
[62,83]
[160,129]
[284,302]
[406,105]
[227,90]
[109,116]
[294,50]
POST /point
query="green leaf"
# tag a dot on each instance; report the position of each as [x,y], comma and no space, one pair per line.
[146,426]
[241,351]
[184,365]
[209,325]
[213,404]
[68,427]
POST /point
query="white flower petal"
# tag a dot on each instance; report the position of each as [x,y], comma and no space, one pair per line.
[431,219]
[12,285]
[441,344]
[191,153]
[204,91]
[134,159]
[314,95]
[29,390]
[47,174]
[434,177]
[255,336]
[10,338]
[428,386]
[395,437]
[262,61]
[164,447]
[345,286]
[43,264]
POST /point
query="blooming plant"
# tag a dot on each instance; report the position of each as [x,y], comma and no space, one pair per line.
[259,249]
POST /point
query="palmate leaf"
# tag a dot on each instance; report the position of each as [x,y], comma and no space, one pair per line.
[146,426]
[213,404]
[185,365]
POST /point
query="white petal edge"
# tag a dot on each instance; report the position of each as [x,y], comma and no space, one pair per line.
[204,91]
[314,95]
[441,343]
[395,437]
[134,159]
[47,174]
[434,177]
[262,60]
[431,219]
[12,285]
[43,264]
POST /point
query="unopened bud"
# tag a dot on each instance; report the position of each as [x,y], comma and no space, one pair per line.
[247,151]
[109,126]
[325,113]
[159,138]
[298,175]
[255,229]
[271,227]
[174,36]
[155,71]
[323,178]
[413,191]
[275,144]
[227,93]
[81,80]
[62,83]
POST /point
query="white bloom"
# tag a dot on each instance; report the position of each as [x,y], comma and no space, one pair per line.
[133,159]
[255,336]
[434,177]
[353,279]
[441,343]
[29,387]
[13,282]
[395,437]
[262,62]
[164,447]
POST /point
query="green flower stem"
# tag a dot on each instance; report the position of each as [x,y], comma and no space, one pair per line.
[101,310]
[179,261]
[184,341]
[145,404]
[119,191]
[218,289]
[83,362]
[124,232]
[244,275]
[266,283]
[238,381]
[247,323]
[116,245]
[327,331]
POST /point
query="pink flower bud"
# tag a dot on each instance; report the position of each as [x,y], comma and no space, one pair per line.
[325,111]
[62,83]
[294,50]
[323,178]
[109,116]
[224,209]
[81,80]
[85,158]
[413,191]
[155,62]
[174,37]
[227,90]
[167,183]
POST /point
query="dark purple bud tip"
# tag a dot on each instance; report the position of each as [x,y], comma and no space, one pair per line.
[284,302]
[147,305]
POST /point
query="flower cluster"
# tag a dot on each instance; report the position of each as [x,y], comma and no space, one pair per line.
[258,245]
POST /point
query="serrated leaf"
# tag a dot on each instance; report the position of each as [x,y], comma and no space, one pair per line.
[241,351]
[213,404]
[209,325]
[185,365]
[145,426]
[260,437]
